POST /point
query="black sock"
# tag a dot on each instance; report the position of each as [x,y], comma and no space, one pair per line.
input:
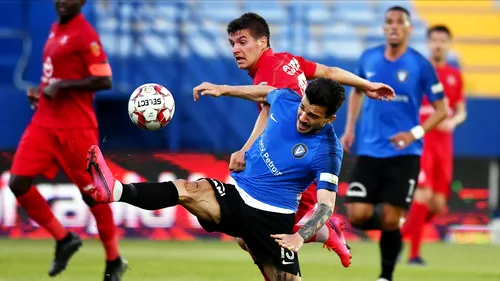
[373,223]
[150,196]
[391,243]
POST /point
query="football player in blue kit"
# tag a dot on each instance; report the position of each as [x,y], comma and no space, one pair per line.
[297,147]
[390,135]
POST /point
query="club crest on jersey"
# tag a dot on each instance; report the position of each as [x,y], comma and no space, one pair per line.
[402,75]
[299,150]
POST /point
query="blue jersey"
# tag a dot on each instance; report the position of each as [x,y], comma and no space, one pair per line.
[411,76]
[282,162]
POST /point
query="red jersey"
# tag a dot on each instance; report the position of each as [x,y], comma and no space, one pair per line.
[71,50]
[283,70]
[451,79]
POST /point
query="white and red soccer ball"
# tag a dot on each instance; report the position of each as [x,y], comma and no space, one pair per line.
[151,107]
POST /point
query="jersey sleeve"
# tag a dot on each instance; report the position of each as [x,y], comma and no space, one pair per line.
[327,163]
[93,54]
[433,88]
[309,67]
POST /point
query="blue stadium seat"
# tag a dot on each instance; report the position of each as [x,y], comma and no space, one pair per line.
[365,16]
[315,12]
[346,49]
[273,11]
[220,11]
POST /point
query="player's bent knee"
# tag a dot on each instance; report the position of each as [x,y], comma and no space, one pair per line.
[20,184]
[358,213]
[199,199]
[438,205]
[390,217]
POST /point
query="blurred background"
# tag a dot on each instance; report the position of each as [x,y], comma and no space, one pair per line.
[181,43]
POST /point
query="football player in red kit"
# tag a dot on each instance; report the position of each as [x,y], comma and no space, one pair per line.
[249,37]
[437,156]
[61,130]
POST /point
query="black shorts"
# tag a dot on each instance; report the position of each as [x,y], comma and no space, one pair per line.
[254,226]
[389,180]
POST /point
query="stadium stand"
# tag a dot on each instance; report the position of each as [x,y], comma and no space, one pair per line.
[476,27]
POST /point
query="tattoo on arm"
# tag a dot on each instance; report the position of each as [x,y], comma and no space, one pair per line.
[317,220]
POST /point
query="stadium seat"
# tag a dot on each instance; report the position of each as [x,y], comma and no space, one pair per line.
[345,48]
[219,11]
[314,12]
[273,11]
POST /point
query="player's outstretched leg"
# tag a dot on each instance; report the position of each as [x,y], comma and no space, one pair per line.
[28,196]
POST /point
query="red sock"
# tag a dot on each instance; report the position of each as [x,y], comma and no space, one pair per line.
[107,230]
[418,214]
[37,209]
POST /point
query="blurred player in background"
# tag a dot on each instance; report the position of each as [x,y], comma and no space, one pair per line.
[61,130]
[249,37]
[437,157]
[390,141]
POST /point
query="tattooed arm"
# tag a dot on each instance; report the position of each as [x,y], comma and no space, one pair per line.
[326,204]
[293,242]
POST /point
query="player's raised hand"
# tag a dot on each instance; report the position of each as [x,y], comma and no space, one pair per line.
[402,140]
[292,242]
[347,140]
[237,161]
[33,97]
[379,91]
[206,89]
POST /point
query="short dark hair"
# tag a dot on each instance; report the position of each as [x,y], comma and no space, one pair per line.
[399,9]
[256,25]
[439,28]
[326,92]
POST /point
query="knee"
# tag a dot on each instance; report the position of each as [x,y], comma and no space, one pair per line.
[439,204]
[390,220]
[423,195]
[190,191]
[20,185]
[357,215]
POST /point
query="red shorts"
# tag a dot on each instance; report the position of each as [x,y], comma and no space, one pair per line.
[42,151]
[436,169]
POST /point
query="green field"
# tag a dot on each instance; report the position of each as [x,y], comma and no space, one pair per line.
[23,260]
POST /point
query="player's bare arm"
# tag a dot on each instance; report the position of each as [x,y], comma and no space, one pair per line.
[237,160]
[326,205]
[353,109]
[458,118]
[99,80]
[372,90]
[256,93]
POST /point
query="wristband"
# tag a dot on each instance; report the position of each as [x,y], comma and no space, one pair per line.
[417,132]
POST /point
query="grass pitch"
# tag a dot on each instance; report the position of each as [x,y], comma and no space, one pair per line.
[26,260]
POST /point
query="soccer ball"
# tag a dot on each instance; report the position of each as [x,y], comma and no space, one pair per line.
[151,107]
